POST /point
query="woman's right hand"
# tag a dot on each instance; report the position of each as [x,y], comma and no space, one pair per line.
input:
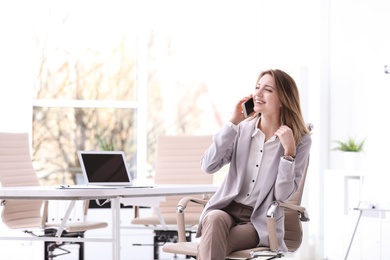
[238,115]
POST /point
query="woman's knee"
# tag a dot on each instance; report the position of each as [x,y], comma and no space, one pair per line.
[217,217]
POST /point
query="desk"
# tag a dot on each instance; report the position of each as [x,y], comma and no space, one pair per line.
[361,210]
[115,195]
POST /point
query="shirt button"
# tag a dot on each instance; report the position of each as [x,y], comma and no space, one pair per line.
[247,195]
[261,151]
[257,165]
[253,180]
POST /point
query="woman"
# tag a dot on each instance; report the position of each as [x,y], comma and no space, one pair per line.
[267,154]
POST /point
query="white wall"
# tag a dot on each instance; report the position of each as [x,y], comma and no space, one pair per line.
[359,87]
[360,47]
[15,67]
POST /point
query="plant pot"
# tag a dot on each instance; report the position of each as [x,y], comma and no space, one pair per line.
[352,161]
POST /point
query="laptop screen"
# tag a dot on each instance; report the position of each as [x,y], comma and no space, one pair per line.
[104,167]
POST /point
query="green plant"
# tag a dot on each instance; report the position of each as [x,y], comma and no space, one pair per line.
[351,145]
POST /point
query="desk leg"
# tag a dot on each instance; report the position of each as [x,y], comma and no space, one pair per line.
[115,206]
[65,219]
[353,234]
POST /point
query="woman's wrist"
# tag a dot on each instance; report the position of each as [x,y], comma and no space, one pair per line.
[232,125]
[288,158]
[234,121]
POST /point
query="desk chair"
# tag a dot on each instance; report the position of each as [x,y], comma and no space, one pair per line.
[177,162]
[294,215]
[29,216]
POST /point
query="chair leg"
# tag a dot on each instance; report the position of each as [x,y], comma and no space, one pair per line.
[46,250]
[156,247]
[49,252]
[189,238]
[51,246]
[163,236]
[81,250]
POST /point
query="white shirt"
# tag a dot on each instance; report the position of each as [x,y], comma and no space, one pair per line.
[260,157]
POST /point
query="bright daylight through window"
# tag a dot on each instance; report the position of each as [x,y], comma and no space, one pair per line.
[114,84]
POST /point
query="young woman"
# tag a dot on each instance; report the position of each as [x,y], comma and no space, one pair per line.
[267,153]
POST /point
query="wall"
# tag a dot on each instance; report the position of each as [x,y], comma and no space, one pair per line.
[15,67]
[359,49]
[359,90]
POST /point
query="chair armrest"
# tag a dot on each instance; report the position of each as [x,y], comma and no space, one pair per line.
[271,221]
[184,202]
[181,227]
[303,214]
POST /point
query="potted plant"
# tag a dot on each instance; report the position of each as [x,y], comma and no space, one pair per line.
[351,145]
[352,148]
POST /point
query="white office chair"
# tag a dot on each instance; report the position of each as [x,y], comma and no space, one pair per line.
[29,216]
[177,162]
[294,215]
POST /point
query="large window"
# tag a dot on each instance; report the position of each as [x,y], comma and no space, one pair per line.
[104,80]
[85,99]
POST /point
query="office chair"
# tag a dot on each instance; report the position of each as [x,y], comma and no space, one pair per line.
[294,215]
[30,216]
[177,162]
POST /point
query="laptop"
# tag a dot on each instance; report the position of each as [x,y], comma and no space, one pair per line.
[104,169]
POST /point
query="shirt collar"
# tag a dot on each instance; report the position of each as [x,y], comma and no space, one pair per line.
[257,130]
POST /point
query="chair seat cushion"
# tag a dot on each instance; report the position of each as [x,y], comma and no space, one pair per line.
[78,226]
[182,248]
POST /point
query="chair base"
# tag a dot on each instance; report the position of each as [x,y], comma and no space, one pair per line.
[49,246]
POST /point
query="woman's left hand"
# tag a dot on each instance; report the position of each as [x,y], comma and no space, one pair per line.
[286,137]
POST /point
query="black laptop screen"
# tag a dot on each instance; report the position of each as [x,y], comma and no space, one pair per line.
[105,168]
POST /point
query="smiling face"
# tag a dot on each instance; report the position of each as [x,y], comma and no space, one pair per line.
[266,97]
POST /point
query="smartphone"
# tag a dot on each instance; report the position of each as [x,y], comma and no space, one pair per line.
[247,107]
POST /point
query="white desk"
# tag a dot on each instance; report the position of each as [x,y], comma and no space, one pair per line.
[115,195]
[361,210]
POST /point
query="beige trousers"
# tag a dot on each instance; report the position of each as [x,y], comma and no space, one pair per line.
[225,231]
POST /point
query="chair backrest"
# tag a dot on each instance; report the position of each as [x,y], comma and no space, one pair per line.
[292,224]
[178,162]
[16,169]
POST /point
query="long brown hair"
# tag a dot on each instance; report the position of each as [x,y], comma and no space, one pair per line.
[291,114]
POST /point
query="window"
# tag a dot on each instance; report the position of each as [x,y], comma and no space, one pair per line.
[85,92]
[107,84]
